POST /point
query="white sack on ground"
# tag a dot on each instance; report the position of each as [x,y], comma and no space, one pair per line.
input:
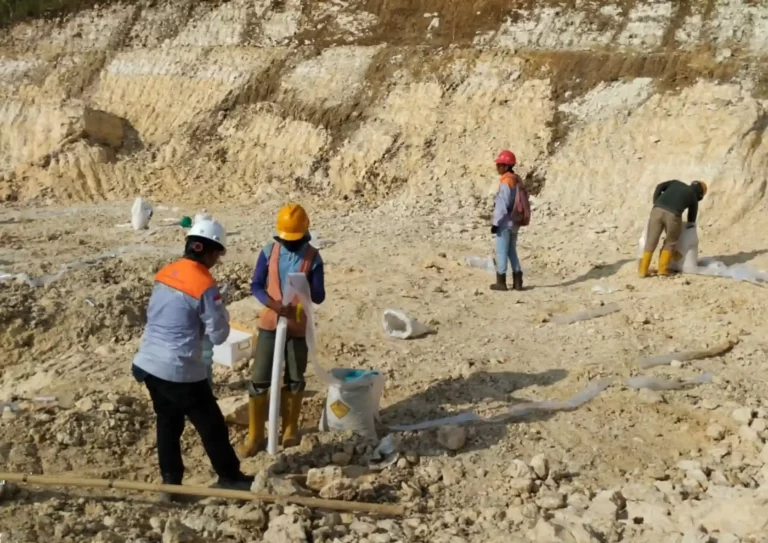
[141,213]
[202,216]
[518,411]
[356,406]
[398,324]
[486,263]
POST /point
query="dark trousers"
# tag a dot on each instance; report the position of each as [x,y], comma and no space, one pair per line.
[172,403]
[296,359]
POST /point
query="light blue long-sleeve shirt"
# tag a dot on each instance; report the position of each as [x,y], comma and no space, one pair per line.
[172,345]
[289,262]
[505,199]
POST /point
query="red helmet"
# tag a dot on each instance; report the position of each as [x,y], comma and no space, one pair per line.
[506,157]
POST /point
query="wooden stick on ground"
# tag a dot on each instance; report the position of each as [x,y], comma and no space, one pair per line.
[663,359]
[315,503]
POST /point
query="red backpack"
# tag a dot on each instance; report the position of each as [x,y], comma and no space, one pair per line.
[521,209]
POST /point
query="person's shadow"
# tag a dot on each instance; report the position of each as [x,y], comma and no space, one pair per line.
[602,271]
[494,388]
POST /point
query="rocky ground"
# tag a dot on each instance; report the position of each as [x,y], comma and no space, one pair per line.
[631,465]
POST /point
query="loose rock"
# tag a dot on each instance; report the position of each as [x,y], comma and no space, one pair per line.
[742,415]
[452,438]
[319,478]
[540,466]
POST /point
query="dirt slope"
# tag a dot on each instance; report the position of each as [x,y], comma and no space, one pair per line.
[379,99]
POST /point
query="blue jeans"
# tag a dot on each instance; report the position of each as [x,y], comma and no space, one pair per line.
[506,248]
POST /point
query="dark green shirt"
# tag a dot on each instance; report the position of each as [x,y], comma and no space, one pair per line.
[676,196]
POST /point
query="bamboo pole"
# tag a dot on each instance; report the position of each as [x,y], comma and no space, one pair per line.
[314,503]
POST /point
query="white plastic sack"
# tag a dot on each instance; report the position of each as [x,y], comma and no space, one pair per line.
[141,213]
[202,216]
[355,407]
[739,272]
[482,263]
[686,257]
[398,324]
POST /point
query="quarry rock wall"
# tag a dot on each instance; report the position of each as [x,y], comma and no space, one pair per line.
[380,100]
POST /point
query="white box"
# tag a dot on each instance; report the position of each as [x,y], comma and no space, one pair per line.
[239,346]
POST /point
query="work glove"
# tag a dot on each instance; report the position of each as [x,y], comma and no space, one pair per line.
[494,229]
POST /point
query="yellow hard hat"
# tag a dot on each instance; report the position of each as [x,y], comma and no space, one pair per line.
[703,186]
[292,222]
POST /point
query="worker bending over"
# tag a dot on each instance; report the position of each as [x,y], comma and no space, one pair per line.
[670,199]
[503,226]
[290,252]
[185,308]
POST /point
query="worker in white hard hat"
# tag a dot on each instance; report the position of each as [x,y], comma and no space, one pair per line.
[185,309]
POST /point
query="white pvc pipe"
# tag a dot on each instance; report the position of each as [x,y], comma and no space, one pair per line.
[278,362]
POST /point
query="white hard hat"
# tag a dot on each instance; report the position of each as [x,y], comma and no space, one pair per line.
[209,229]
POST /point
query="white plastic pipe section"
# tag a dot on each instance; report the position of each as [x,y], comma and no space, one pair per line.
[278,362]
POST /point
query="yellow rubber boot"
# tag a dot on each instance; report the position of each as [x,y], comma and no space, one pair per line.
[645,263]
[258,411]
[664,259]
[291,414]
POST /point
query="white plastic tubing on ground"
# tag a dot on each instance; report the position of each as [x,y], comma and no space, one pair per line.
[298,287]
[656,383]
[586,314]
[79,264]
[518,411]
[739,272]
[552,406]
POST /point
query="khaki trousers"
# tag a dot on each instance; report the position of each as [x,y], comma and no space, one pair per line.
[296,360]
[660,221]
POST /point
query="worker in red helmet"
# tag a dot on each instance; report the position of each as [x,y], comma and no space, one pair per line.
[502,225]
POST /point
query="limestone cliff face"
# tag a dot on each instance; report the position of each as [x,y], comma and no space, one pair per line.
[390,99]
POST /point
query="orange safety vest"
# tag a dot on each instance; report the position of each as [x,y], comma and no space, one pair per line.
[187,276]
[268,318]
[510,179]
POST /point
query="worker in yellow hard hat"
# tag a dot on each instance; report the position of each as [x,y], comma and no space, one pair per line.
[290,252]
[670,199]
